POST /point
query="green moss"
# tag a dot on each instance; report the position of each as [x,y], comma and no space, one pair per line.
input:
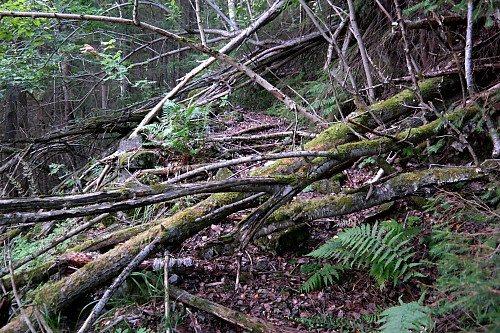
[338,133]
[290,179]
[161,187]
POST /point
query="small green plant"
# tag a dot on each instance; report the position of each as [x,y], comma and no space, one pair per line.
[330,322]
[383,248]
[181,128]
[436,147]
[366,161]
[321,276]
[151,287]
[62,172]
[405,318]
[140,330]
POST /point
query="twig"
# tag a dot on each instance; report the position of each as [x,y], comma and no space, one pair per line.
[96,311]
[166,284]
[377,133]
[382,8]
[247,160]
[14,290]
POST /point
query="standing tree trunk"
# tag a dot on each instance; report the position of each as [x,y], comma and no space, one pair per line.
[11,121]
[68,107]
[200,25]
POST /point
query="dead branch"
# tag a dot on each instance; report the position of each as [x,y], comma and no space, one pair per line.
[254,184]
[96,311]
[433,23]
[246,322]
[55,242]
[262,136]
[16,294]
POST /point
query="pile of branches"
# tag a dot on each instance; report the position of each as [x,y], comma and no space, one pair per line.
[269,190]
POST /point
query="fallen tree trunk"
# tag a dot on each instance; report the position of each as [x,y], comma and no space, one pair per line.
[170,192]
[420,183]
[171,231]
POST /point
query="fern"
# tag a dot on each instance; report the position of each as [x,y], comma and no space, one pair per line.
[179,128]
[321,278]
[334,323]
[406,317]
[380,248]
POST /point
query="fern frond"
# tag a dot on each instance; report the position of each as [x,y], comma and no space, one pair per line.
[406,317]
[321,278]
[383,249]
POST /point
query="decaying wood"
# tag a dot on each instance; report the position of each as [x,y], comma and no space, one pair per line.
[99,307]
[253,184]
[173,230]
[235,317]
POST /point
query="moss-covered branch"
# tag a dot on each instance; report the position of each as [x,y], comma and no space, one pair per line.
[407,184]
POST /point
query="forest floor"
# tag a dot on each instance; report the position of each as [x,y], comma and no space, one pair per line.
[269,287]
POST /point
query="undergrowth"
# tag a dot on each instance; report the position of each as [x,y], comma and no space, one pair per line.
[464,246]
[181,129]
[381,248]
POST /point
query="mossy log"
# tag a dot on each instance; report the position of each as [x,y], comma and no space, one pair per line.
[392,108]
[172,231]
[421,183]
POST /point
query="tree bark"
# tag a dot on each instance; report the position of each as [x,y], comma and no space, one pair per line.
[11,123]
[468,49]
